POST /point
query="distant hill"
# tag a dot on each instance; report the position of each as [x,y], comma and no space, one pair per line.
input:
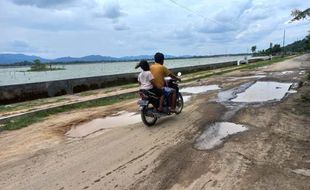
[89,58]
[21,58]
[14,58]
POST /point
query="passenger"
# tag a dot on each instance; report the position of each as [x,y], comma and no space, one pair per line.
[159,72]
[146,81]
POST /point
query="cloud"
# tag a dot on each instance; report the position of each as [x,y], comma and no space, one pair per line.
[111,10]
[20,46]
[43,3]
[121,27]
[81,27]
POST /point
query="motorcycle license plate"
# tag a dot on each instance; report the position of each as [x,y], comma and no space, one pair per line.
[143,102]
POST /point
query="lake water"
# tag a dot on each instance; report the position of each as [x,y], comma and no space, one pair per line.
[18,75]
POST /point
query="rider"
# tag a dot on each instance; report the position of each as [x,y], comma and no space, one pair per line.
[159,72]
[146,81]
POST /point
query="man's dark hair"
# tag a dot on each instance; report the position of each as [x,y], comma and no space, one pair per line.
[144,65]
[159,58]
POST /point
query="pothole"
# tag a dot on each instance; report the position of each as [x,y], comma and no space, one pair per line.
[199,89]
[263,91]
[304,172]
[186,98]
[120,119]
[214,135]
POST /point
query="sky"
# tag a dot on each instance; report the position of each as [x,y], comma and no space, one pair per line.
[57,28]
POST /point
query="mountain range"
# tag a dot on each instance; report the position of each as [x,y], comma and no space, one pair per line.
[6,59]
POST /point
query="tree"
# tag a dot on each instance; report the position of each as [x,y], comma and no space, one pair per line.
[253,49]
[300,15]
[308,41]
[38,66]
[37,62]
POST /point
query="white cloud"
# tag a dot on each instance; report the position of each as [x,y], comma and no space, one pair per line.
[118,28]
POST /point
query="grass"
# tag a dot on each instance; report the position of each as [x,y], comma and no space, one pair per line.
[28,105]
[201,75]
[87,93]
[265,63]
[28,119]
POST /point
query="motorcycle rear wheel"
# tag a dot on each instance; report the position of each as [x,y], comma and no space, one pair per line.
[147,116]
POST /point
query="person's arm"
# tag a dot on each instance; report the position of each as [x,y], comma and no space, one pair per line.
[170,74]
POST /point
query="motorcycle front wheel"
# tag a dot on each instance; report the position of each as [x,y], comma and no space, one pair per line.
[147,115]
[179,104]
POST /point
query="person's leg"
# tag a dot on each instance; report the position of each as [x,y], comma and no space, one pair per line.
[161,103]
[173,101]
[159,93]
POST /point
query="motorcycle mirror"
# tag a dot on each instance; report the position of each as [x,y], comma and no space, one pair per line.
[179,74]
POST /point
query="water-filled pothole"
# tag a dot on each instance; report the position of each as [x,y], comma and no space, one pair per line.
[214,135]
[199,89]
[263,91]
[186,98]
[121,119]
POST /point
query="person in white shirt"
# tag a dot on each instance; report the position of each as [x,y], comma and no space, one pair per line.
[146,81]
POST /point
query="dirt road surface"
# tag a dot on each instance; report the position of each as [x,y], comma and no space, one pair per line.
[274,153]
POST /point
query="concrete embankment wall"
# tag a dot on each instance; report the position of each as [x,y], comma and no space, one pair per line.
[31,91]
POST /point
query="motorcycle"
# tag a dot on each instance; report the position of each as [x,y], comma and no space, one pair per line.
[149,103]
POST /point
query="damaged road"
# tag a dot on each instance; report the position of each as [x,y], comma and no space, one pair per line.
[227,137]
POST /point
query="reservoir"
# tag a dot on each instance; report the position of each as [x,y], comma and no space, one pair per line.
[19,75]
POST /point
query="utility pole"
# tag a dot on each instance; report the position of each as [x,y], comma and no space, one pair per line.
[284,42]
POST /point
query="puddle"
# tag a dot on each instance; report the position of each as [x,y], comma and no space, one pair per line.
[215,134]
[262,91]
[186,98]
[304,172]
[199,89]
[227,95]
[121,119]
[302,72]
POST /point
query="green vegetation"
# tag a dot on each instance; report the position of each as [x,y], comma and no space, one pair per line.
[253,49]
[28,119]
[28,104]
[87,93]
[300,15]
[298,46]
[206,74]
[265,63]
[38,66]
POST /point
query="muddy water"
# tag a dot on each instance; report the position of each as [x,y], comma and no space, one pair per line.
[262,91]
[199,89]
[121,119]
[215,135]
